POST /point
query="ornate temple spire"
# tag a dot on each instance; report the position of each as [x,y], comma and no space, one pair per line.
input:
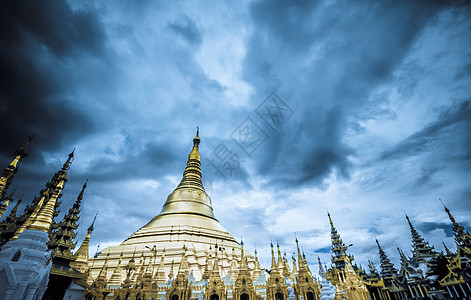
[215,271]
[243,267]
[190,197]
[279,262]
[4,205]
[192,173]
[286,270]
[273,261]
[321,269]
[183,268]
[295,270]
[81,255]
[9,172]
[207,266]
[422,251]
[452,219]
[115,278]
[137,276]
[462,237]
[61,240]
[447,251]
[45,194]
[388,272]
[257,270]
[300,258]
[160,273]
[403,258]
[101,278]
[15,208]
[170,274]
[42,216]
[372,268]
[339,258]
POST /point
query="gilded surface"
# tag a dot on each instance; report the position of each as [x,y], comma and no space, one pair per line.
[186,219]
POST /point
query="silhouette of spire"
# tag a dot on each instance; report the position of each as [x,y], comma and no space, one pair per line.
[422,251]
[9,172]
[388,272]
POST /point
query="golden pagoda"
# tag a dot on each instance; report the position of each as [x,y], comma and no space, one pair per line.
[186,228]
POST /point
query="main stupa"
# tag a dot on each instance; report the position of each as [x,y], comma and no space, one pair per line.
[186,227]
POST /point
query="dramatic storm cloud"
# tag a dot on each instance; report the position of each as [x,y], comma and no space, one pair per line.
[361,108]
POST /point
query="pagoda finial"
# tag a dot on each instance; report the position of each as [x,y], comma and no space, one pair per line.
[90,229]
[69,161]
[81,255]
[321,269]
[80,196]
[273,262]
[279,258]
[8,173]
[297,247]
[452,219]
[447,251]
[401,254]
[15,208]
[330,220]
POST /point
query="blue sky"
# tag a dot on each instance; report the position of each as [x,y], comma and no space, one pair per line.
[361,108]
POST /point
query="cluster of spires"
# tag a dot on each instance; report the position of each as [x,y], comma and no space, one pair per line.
[147,273]
[427,273]
[39,216]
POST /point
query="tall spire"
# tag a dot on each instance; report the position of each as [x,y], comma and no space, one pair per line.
[190,197]
[4,205]
[422,251]
[192,173]
[42,216]
[61,240]
[279,262]
[321,269]
[8,172]
[215,273]
[257,270]
[116,278]
[183,268]
[339,258]
[81,255]
[273,261]
[447,251]
[243,267]
[159,275]
[387,268]
[12,214]
[462,237]
[300,258]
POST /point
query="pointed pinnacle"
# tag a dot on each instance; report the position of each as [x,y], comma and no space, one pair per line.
[23,150]
[379,246]
[91,226]
[330,220]
[452,219]
[67,164]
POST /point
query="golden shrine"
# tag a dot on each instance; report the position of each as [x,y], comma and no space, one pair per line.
[185,252]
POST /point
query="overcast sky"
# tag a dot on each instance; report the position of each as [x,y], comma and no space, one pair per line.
[361,108]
